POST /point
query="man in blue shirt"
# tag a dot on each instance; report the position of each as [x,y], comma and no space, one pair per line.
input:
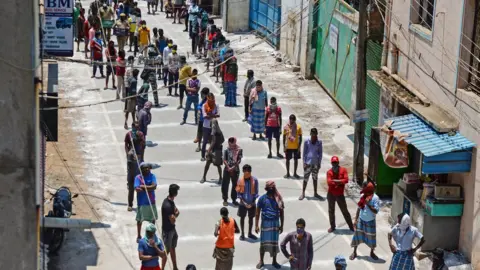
[312,162]
[247,192]
[145,185]
[364,222]
[150,249]
[203,95]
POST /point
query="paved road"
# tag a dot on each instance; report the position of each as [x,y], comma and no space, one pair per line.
[172,150]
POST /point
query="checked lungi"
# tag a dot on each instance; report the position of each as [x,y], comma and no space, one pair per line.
[231,94]
[366,233]
[269,236]
[402,260]
[258,121]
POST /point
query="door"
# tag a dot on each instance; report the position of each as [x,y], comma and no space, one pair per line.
[265,16]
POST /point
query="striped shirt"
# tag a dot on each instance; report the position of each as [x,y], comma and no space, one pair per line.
[301,250]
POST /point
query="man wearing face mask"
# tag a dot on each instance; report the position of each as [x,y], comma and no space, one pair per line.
[337,178]
[107,14]
[121,29]
[173,68]
[144,38]
[150,249]
[301,247]
[145,185]
[247,193]
[271,207]
[166,52]
[247,88]
[198,139]
[134,149]
[403,233]
[312,161]
[145,117]
[192,87]
[225,230]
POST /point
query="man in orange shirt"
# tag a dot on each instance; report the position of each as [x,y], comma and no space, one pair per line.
[225,231]
[337,178]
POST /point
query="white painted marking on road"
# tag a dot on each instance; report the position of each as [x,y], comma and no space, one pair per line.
[193,207]
[212,238]
[300,184]
[208,184]
[197,161]
[171,124]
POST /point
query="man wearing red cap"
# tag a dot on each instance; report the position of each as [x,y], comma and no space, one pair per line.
[337,177]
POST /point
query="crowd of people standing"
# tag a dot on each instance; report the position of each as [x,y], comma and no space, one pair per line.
[265,212]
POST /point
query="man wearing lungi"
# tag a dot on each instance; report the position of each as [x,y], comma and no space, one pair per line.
[364,222]
[404,233]
[271,206]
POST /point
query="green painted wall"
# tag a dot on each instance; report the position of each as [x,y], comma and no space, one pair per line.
[374,59]
[334,67]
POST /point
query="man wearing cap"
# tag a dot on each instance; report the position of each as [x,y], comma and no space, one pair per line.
[170,214]
[312,161]
[225,230]
[121,29]
[145,118]
[337,178]
[145,185]
[150,249]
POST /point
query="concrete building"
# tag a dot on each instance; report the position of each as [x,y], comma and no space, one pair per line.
[296,32]
[431,56]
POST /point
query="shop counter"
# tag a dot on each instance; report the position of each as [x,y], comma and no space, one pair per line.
[439,231]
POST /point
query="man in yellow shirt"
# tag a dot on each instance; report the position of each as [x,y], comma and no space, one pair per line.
[144,38]
[292,141]
[184,74]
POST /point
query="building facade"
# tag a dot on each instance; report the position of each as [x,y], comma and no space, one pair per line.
[430,52]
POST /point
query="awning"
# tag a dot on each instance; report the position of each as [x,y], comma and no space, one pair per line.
[426,139]
[442,152]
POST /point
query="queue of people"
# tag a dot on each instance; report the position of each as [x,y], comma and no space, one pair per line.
[265,212]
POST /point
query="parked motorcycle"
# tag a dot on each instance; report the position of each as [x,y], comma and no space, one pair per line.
[62,208]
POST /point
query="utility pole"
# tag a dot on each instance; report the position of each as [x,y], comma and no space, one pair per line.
[19,145]
[361,84]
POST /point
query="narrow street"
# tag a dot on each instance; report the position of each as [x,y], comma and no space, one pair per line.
[172,151]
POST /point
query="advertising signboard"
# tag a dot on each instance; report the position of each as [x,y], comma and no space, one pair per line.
[59,26]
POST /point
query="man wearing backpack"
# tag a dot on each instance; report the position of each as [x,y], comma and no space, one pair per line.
[230,74]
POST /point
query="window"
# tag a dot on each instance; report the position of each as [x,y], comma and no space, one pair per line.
[354,3]
[421,14]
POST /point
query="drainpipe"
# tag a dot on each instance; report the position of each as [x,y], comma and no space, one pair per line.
[301,30]
[388,21]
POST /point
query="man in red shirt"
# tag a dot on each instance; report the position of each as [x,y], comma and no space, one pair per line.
[337,177]
[273,122]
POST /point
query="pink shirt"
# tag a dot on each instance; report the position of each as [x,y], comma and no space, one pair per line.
[272,117]
[91,33]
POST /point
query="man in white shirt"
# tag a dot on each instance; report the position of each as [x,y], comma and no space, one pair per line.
[404,233]
[166,52]
[173,68]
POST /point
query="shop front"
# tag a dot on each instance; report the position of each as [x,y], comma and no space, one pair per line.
[423,151]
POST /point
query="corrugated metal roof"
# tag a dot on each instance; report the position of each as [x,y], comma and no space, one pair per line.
[426,139]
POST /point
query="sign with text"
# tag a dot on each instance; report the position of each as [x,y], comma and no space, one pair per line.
[333,40]
[59,27]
